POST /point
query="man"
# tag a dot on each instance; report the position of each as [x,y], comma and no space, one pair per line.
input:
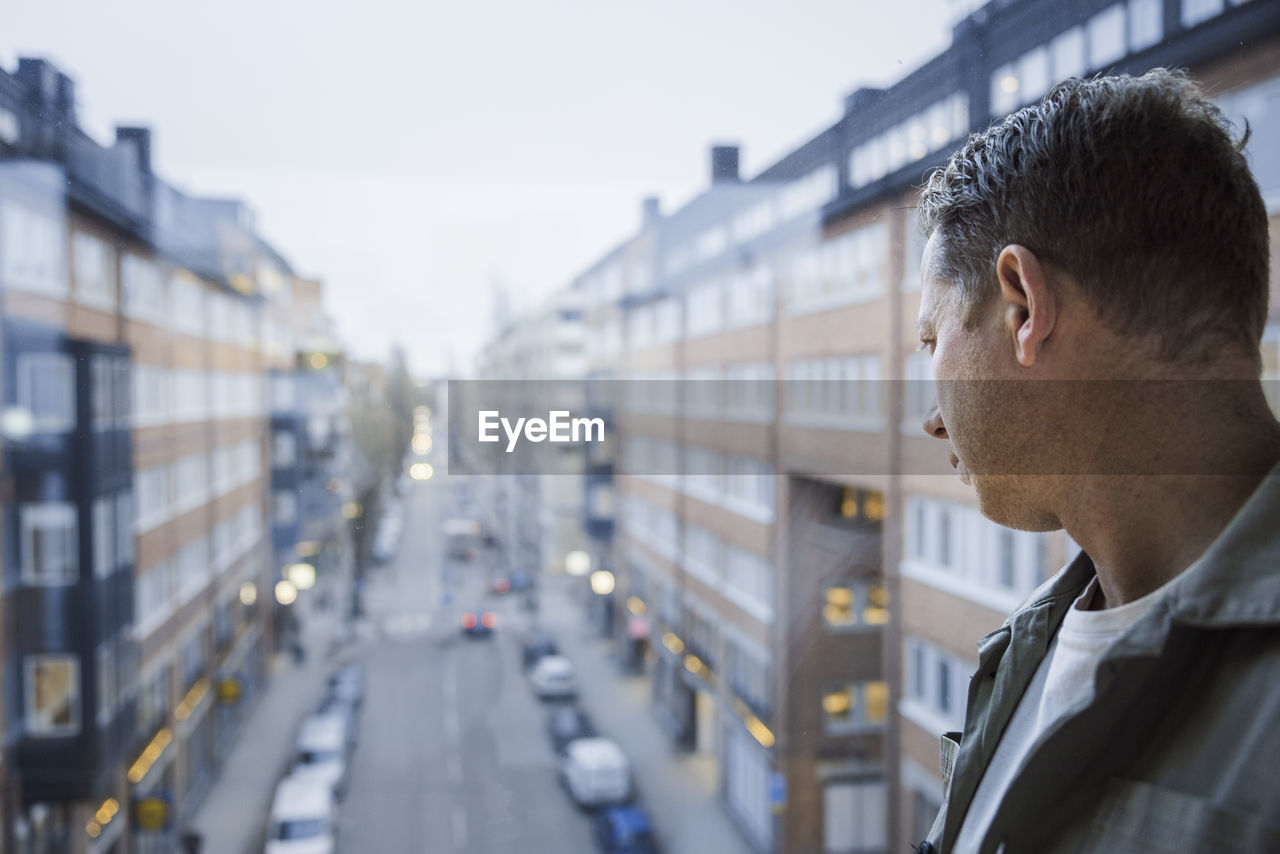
[1095,289]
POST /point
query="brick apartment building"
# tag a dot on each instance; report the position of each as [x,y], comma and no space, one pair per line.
[811,577]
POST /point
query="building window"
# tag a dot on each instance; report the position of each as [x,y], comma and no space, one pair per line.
[284,449]
[49,543]
[944,538]
[854,817]
[52,695]
[1007,577]
[142,288]
[1198,11]
[286,507]
[46,389]
[854,705]
[105,662]
[31,251]
[92,260]
[1106,36]
[1146,26]
[104,530]
[858,603]
[1068,50]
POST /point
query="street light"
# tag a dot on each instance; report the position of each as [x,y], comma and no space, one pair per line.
[602,582]
[301,575]
[248,593]
[577,563]
[421,471]
[286,593]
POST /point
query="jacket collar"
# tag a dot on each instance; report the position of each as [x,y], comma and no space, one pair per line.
[1236,581]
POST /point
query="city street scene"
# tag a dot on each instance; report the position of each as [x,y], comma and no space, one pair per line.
[508,428]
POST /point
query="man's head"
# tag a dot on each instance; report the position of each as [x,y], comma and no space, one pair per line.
[1112,230]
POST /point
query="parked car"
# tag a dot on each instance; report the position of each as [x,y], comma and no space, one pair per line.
[535,646]
[596,773]
[346,685]
[625,830]
[567,724]
[477,624]
[553,677]
[322,747]
[301,818]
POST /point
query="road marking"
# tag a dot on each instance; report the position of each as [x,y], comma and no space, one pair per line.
[450,685]
[451,726]
[455,770]
[459,827]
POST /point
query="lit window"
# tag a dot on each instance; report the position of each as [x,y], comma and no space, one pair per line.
[875,701]
[877,611]
[52,695]
[839,607]
[838,705]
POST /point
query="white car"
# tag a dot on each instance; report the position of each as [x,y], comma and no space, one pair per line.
[596,773]
[301,819]
[322,751]
[553,677]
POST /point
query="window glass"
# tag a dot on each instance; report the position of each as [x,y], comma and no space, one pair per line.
[52,695]
[48,545]
[1106,33]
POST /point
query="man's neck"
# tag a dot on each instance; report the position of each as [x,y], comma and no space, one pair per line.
[1142,530]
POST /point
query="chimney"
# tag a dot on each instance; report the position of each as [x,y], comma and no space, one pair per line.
[651,211]
[65,99]
[141,140]
[41,81]
[724,164]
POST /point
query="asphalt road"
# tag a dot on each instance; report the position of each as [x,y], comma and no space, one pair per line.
[452,755]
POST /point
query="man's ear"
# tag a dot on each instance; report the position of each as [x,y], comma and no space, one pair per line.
[1028,307]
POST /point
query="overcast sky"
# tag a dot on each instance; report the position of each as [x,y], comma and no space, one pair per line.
[411,154]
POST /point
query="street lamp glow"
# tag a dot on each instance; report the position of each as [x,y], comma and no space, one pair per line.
[301,575]
[421,471]
[602,582]
[577,563]
[351,510]
[421,443]
[248,593]
[286,593]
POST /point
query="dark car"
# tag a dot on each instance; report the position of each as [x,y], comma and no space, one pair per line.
[346,685]
[625,830]
[478,624]
[535,646]
[566,724]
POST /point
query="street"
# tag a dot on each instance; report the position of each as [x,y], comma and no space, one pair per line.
[452,754]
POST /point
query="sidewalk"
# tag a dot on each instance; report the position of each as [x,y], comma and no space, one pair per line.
[233,817]
[678,788]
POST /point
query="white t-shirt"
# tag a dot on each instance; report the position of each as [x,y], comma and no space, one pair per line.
[1063,681]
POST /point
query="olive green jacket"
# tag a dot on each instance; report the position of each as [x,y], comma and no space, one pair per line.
[1178,749]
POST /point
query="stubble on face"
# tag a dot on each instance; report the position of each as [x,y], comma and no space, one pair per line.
[994,418]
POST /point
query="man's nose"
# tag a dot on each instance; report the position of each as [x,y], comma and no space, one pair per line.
[933,423]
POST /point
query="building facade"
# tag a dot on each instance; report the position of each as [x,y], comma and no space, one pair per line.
[812,576]
[137,344]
